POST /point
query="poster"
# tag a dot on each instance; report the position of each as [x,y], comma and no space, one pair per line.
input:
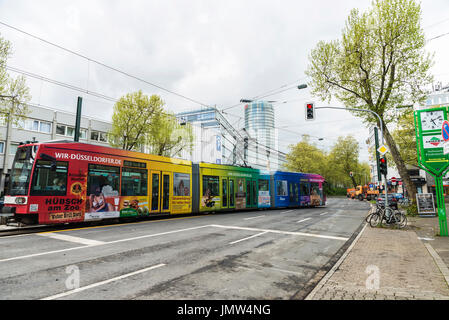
[181,184]
[425,203]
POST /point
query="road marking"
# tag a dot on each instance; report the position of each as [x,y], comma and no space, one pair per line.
[123,224]
[303,220]
[254,218]
[427,239]
[322,214]
[65,237]
[288,211]
[256,235]
[104,243]
[281,232]
[64,294]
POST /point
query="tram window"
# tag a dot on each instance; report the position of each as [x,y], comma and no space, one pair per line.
[281,188]
[166,192]
[304,189]
[296,192]
[315,189]
[103,179]
[231,193]
[248,193]
[211,186]
[47,182]
[255,198]
[291,193]
[181,184]
[263,185]
[225,192]
[134,182]
[155,192]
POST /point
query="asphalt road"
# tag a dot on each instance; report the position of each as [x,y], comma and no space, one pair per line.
[270,254]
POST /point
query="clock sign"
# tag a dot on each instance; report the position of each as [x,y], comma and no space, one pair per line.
[432,120]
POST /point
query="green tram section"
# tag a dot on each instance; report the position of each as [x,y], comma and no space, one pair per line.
[226,187]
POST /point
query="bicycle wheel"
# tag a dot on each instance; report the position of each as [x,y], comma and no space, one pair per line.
[375,219]
[401,219]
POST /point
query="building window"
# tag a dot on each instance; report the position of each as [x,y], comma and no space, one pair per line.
[13,148]
[33,125]
[99,136]
[2,147]
[70,131]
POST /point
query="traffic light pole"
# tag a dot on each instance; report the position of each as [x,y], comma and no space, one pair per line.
[381,135]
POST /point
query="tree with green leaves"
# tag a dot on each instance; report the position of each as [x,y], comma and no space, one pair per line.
[14,94]
[334,166]
[133,119]
[378,64]
[139,120]
[305,157]
[345,156]
[168,137]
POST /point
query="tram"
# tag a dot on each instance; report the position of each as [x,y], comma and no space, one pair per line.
[69,182]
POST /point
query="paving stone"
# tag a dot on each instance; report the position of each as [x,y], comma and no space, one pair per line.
[395,260]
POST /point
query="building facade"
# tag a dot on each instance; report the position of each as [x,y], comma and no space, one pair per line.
[43,124]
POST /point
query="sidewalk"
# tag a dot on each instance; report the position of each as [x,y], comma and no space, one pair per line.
[391,264]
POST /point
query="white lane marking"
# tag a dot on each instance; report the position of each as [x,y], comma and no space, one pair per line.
[427,239]
[93,285]
[322,214]
[65,237]
[253,236]
[303,220]
[105,243]
[282,232]
[254,218]
[288,211]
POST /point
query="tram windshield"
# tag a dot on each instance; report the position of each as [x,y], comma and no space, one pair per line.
[21,171]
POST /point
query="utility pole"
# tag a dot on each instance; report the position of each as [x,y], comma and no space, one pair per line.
[78,120]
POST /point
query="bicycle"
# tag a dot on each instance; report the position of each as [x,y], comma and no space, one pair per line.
[393,217]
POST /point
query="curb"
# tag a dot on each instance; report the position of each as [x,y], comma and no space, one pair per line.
[439,262]
[335,267]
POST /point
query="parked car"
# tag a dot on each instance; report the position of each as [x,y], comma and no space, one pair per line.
[398,196]
[392,201]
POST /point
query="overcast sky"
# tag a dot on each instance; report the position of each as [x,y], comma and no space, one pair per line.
[213,52]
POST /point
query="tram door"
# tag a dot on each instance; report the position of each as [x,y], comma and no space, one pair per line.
[160,191]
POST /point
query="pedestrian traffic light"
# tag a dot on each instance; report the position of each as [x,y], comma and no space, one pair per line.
[310,111]
[383,165]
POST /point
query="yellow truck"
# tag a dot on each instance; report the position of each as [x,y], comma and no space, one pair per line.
[364,192]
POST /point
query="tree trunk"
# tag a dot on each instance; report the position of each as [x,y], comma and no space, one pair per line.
[400,165]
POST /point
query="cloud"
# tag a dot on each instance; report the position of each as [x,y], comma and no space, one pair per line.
[215,52]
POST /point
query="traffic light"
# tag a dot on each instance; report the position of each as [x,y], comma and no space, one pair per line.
[310,111]
[383,165]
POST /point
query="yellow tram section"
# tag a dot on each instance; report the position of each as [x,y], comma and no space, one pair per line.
[169,188]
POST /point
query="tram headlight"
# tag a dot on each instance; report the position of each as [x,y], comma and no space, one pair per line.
[21,200]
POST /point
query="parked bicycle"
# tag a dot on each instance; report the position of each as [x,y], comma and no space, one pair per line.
[388,216]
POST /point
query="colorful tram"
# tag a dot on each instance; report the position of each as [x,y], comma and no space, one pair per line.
[65,182]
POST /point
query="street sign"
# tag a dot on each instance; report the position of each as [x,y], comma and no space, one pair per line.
[445,131]
[393,179]
[432,132]
[382,149]
[430,124]
[446,147]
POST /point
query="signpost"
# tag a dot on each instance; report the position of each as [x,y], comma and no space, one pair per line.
[432,131]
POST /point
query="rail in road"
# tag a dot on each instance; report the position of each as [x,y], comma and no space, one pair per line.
[246,255]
